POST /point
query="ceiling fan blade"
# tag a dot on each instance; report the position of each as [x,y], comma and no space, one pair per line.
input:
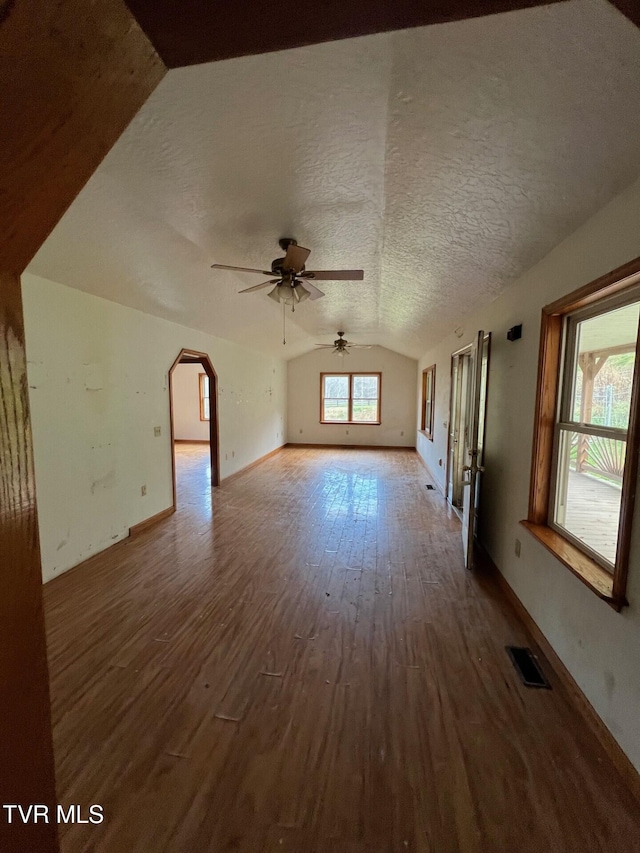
[239,269]
[334,275]
[260,286]
[325,346]
[315,292]
[295,257]
[361,346]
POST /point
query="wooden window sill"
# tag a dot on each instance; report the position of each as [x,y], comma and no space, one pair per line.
[351,423]
[583,567]
[426,434]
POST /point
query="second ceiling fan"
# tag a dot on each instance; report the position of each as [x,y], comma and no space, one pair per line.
[293,283]
[341,346]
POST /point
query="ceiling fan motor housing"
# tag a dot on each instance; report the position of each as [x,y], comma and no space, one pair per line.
[278,269]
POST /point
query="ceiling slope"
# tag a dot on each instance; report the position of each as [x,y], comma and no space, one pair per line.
[444,161]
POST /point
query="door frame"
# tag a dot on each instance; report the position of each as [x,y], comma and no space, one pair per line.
[190,356]
[465,350]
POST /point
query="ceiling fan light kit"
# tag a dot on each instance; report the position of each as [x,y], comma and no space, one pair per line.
[341,346]
[294,282]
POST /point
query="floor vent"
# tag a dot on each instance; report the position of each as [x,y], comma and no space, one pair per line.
[527,667]
[430,487]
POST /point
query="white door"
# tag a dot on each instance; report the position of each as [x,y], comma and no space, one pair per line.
[479,368]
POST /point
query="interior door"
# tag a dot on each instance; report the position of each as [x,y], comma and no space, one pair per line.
[479,372]
[454,424]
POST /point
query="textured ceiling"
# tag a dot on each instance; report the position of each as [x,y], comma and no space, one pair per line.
[444,161]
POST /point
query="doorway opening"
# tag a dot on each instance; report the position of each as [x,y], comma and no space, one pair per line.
[465,450]
[459,408]
[193,408]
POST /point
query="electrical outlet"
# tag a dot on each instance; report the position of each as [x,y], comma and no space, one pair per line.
[517,547]
[300,432]
[233,454]
[401,432]
[226,457]
[157,431]
[143,490]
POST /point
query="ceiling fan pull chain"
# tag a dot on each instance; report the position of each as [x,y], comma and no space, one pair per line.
[284,324]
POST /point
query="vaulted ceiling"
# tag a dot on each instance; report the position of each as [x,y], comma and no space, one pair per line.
[442,160]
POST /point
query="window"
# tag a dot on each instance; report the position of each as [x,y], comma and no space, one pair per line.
[586,440]
[350,398]
[205,404]
[428,400]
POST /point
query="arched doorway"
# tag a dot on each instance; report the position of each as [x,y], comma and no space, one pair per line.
[187,356]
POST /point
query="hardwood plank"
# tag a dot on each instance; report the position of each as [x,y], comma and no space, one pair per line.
[392,718]
[611,746]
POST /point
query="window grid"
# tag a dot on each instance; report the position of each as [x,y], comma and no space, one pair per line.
[205,398]
[557,420]
[428,399]
[350,400]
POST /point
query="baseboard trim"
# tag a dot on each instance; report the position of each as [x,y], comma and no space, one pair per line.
[436,482]
[191,441]
[225,480]
[141,526]
[349,446]
[584,707]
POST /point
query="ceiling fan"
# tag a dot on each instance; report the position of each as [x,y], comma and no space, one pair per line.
[341,346]
[293,283]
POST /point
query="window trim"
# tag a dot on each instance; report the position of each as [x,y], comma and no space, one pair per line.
[201,378]
[427,429]
[351,422]
[610,587]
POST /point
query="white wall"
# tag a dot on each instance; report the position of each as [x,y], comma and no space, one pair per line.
[98,385]
[601,648]
[398,402]
[185,383]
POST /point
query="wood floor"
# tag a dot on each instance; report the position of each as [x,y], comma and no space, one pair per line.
[302,664]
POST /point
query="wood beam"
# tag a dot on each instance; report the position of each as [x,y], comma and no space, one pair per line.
[629,8]
[71,82]
[186,32]
[71,79]
[26,770]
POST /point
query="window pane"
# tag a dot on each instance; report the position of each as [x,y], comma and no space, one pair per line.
[603,368]
[365,410]
[336,386]
[335,410]
[365,387]
[204,397]
[589,489]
